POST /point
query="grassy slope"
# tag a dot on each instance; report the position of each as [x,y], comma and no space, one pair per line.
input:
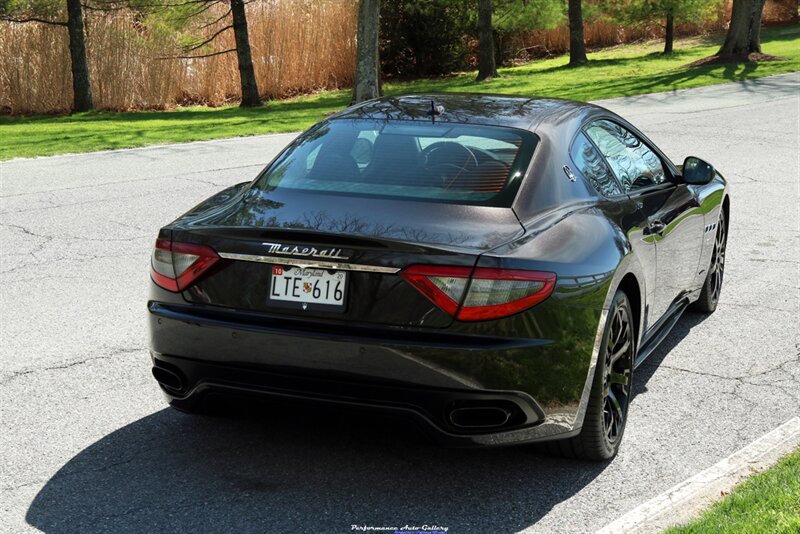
[624,70]
[767,503]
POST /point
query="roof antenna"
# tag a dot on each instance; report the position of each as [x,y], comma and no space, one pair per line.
[434,111]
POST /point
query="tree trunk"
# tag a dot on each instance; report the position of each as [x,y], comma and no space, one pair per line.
[247,75]
[368,68]
[81,86]
[577,50]
[500,47]
[744,33]
[670,33]
[487,67]
[755,33]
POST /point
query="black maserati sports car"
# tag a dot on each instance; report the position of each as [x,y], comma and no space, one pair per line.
[495,267]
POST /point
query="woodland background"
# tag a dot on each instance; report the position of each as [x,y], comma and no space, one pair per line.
[298,47]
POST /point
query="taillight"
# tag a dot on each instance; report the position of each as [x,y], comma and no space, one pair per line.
[490,293]
[175,266]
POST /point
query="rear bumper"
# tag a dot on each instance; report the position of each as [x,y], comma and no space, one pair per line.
[456,384]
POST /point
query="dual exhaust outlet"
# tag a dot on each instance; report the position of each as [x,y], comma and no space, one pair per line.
[466,415]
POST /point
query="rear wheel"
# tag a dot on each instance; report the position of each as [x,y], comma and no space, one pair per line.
[712,287]
[607,411]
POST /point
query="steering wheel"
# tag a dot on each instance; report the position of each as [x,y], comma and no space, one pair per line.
[447,161]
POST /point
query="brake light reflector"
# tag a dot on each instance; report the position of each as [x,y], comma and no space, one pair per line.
[444,286]
[175,266]
[495,293]
[491,293]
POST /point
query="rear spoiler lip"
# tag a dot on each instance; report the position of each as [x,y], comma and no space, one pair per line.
[264,235]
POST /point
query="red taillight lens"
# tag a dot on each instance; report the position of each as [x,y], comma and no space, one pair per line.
[491,293]
[175,266]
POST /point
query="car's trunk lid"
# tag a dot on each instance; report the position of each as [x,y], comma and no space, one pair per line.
[374,239]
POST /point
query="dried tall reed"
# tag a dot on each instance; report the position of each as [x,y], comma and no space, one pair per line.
[34,69]
[298,46]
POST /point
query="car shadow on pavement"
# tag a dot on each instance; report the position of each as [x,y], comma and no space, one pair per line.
[290,468]
[645,371]
[286,467]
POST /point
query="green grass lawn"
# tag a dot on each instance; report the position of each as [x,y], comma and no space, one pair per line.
[618,71]
[767,503]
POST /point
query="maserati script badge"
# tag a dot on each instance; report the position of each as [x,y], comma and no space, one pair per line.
[306,252]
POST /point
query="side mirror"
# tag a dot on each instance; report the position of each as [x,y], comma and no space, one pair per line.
[697,172]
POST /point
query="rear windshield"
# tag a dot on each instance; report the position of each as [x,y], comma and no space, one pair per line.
[436,162]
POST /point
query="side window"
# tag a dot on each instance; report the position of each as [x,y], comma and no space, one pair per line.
[593,167]
[634,164]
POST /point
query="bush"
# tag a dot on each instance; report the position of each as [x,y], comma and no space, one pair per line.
[424,37]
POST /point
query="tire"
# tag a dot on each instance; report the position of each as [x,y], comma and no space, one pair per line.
[607,410]
[712,287]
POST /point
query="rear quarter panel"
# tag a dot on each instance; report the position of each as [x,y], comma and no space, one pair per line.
[588,249]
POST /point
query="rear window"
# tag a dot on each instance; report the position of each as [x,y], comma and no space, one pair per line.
[437,162]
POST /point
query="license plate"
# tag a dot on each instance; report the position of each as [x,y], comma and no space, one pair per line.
[308,288]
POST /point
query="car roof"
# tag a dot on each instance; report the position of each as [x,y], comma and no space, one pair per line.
[471,108]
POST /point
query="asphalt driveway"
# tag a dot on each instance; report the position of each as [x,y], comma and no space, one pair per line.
[88,445]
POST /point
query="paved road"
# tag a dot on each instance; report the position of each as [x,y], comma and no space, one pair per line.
[87,444]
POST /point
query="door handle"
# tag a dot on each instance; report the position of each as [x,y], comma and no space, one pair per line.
[655,227]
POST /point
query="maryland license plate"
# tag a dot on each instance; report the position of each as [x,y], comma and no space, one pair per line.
[308,288]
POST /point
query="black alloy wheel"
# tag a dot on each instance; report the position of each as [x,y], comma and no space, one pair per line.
[718,259]
[712,288]
[617,379]
[607,410]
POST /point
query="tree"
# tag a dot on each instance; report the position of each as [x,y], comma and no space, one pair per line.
[512,19]
[51,12]
[247,75]
[744,34]
[633,12]
[669,32]
[178,15]
[577,49]
[367,80]
[81,85]
[487,67]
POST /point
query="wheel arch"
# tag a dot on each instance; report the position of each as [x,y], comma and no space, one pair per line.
[630,286]
[726,209]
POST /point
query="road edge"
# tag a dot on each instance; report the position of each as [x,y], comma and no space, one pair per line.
[185,144]
[684,501]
